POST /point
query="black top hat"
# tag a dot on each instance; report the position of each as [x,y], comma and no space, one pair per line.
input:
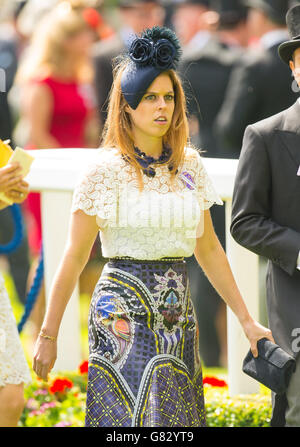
[286,49]
[133,3]
[231,11]
[192,2]
[275,9]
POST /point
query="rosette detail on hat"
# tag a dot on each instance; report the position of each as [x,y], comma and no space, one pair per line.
[155,51]
[163,53]
[141,51]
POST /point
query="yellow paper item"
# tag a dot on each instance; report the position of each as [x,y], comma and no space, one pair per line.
[5,152]
[18,155]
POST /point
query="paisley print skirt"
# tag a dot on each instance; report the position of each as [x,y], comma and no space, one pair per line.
[144,366]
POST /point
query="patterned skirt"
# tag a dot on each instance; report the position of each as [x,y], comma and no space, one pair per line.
[144,365]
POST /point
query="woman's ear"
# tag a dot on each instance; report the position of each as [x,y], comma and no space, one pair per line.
[126,107]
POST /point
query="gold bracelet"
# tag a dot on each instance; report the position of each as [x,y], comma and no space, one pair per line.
[48,337]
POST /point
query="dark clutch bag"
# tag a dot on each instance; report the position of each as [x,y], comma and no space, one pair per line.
[273,367]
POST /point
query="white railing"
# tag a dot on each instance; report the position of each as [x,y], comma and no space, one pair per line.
[54,173]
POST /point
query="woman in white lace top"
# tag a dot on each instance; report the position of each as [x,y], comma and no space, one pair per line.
[14,371]
[149,195]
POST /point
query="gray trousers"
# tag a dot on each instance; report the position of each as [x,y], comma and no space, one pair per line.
[292,414]
[290,417]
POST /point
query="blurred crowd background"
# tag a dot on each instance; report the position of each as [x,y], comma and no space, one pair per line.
[57,58]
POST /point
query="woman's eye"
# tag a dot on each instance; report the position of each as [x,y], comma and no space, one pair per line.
[150,97]
[169,97]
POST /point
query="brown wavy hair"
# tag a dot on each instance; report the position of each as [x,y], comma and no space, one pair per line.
[117,130]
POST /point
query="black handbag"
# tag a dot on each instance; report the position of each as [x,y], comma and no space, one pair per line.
[273,367]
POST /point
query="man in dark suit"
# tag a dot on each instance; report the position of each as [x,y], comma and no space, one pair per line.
[266,219]
[135,16]
[250,94]
[207,62]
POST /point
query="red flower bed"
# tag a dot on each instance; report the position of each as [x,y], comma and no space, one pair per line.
[214,381]
[83,368]
[60,386]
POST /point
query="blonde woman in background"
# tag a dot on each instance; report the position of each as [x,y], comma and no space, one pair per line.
[14,371]
[55,80]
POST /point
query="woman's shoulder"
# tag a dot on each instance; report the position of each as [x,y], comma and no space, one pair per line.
[41,80]
[108,155]
[192,156]
[104,160]
[52,83]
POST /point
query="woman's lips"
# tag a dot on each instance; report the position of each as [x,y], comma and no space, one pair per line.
[161,120]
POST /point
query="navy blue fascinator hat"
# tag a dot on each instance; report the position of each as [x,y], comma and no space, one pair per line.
[155,51]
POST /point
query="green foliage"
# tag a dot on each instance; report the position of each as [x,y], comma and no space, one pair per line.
[239,411]
[46,407]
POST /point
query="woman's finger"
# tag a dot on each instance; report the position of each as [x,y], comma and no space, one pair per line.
[9,182]
[40,370]
[24,184]
[51,365]
[254,349]
[37,366]
[44,371]
[19,190]
[270,337]
[16,196]
[11,167]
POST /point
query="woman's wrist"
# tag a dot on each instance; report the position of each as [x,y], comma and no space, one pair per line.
[47,337]
[245,320]
[48,333]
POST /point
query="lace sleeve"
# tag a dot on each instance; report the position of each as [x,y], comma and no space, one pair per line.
[206,192]
[94,193]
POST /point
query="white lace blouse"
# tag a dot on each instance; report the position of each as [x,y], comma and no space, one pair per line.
[13,365]
[161,221]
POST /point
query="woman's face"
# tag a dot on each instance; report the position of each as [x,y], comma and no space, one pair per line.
[153,116]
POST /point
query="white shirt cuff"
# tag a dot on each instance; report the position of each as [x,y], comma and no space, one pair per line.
[298,262]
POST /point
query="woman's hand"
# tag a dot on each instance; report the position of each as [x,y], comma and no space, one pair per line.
[45,353]
[255,331]
[19,192]
[10,177]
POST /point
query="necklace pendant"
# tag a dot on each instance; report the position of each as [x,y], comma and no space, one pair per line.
[150,172]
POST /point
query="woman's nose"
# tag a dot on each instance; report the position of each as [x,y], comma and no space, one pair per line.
[162,103]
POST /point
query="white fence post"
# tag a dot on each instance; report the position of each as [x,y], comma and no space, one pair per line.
[56,206]
[244,265]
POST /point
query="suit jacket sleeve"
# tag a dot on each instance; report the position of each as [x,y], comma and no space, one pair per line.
[239,106]
[252,225]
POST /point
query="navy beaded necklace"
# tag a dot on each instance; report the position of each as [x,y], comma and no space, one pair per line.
[145,160]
